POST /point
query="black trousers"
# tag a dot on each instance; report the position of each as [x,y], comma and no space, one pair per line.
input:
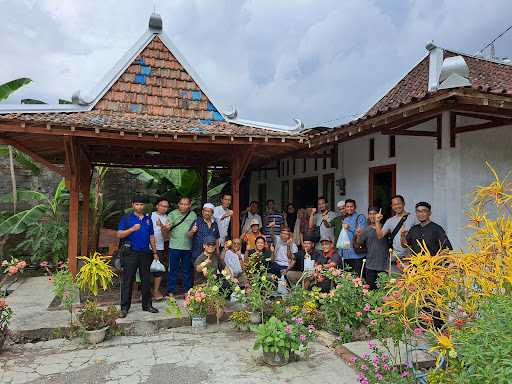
[356,265]
[371,277]
[132,261]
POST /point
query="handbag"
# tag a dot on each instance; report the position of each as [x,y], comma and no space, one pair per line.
[359,248]
[391,236]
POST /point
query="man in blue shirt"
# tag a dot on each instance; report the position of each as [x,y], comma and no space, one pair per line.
[352,222]
[136,229]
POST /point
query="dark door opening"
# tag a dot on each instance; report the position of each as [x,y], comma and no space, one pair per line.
[382,185]
[305,192]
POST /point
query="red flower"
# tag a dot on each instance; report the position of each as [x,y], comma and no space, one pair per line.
[459,323]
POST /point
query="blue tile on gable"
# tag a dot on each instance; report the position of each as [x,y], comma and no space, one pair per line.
[145,70]
[183,93]
[139,61]
[211,107]
[135,108]
[140,79]
[196,95]
[217,116]
[206,122]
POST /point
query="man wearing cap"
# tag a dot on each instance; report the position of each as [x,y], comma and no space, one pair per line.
[426,231]
[201,228]
[337,222]
[304,260]
[208,260]
[328,257]
[136,229]
[249,238]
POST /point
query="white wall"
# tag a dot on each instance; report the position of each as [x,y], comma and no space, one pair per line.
[444,177]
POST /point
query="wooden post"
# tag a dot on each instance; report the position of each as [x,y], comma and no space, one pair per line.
[85,188]
[240,162]
[204,184]
[73,184]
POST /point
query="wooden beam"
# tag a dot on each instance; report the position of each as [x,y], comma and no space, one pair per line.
[239,164]
[85,176]
[33,155]
[204,183]
[453,125]
[478,127]
[406,132]
[73,184]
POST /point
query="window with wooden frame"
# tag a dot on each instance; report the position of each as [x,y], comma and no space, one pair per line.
[371,149]
[392,147]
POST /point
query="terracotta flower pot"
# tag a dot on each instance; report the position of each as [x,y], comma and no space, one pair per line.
[96,336]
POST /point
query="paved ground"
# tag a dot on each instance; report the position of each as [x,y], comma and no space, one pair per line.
[216,355]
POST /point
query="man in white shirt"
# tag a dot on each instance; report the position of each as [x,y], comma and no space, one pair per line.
[283,258]
[222,215]
[322,219]
[250,215]
[161,228]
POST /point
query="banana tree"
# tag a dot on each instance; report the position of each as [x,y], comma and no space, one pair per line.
[6,90]
[173,183]
[44,225]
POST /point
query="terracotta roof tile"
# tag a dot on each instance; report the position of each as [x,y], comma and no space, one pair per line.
[485,75]
[152,122]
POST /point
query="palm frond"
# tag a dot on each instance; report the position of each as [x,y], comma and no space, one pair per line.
[7,88]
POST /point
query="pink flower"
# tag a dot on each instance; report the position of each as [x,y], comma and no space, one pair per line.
[373,322]
[385,357]
[365,292]
[378,311]
[378,376]
[365,355]
[288,329]
[5,263]
[3,303]
[21,264]
[367,308]
[43,264]
[353,359]
[366,286]
[13,270]
[364,367]
[299,320]
[359,314]
[371,345]
[376,360]
[302,338]
[311,328]
[418,331]
[404,374]
[387,367]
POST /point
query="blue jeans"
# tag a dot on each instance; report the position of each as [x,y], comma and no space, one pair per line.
[177,257]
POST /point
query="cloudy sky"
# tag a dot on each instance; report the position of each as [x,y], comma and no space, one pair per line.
[323,61]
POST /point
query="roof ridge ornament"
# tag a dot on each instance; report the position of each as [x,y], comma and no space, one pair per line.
[155,23]
[77,99]
[231,114]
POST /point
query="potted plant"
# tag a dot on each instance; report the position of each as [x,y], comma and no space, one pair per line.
[241,320]
[280,340]
[197,306]
[94,274]
[10,269]
[258,293]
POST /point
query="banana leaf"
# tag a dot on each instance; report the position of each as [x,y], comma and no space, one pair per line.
[17,223]
[7,88]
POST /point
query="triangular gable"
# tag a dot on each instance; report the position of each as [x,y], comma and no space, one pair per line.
[155,83]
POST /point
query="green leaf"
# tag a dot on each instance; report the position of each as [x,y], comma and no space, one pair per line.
[18,222]
[24,195]
[32,101]
[7,88]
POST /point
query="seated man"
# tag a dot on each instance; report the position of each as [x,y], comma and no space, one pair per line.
[233,258]
[208,261]
[327,258]
[304,261]
[283,259]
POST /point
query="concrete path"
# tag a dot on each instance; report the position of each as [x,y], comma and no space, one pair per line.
[215,355]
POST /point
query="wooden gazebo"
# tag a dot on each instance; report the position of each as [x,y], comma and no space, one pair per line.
[151,110]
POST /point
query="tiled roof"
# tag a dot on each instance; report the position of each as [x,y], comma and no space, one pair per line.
[135,122]
[156,84]
[485,75]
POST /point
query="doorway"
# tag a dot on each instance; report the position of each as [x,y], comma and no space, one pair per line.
[305,192]
[328,184]
[382,186]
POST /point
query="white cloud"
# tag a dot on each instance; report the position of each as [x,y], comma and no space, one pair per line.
[317,60]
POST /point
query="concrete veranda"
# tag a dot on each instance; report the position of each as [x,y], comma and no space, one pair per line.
[217,354]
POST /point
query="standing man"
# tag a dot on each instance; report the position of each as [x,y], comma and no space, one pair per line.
[337,222]
[271,216]
[136,228]
[161,231]
[222,215]
[352,222]
[392,226]
[426,231]
[322,219]
[180,247]
[251,214]
[201,228]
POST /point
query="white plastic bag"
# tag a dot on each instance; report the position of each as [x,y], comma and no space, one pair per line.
[309,265]
[282,286]
[157,266]
[343,240]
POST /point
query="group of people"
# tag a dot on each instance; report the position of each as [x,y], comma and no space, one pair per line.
[292,242]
